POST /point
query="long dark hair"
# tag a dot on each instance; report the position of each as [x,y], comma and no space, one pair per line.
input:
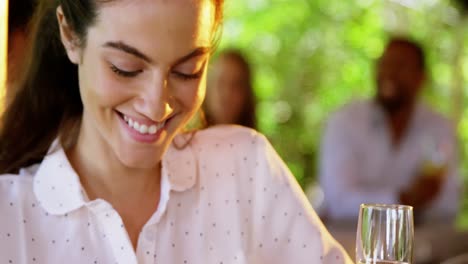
[46,104]
[248,115]
[19,15]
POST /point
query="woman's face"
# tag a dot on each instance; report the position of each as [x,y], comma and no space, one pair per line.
[227,95]
[142,75]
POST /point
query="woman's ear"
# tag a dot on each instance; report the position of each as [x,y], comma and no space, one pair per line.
[68,37]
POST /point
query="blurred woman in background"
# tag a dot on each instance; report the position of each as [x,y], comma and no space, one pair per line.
[230,98]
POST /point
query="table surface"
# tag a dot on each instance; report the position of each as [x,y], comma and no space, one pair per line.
[433,243]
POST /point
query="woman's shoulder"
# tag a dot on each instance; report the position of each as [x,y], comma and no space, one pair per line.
[229,142]
[232,134]
[14,185]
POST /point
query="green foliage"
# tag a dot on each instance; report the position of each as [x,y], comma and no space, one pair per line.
[312,56]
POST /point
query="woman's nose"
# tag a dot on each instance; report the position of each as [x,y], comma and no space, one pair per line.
[155,101]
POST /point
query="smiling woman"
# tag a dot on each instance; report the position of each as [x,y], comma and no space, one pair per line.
[90,144]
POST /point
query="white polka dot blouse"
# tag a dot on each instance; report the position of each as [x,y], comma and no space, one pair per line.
[225,198]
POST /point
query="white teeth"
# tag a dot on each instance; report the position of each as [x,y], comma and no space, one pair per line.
[152,129]
[136,126]
[143,129]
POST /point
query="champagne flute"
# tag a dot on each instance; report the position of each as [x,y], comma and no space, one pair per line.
[385,234]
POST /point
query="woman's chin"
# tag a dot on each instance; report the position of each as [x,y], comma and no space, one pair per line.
[140,160]
[140,164]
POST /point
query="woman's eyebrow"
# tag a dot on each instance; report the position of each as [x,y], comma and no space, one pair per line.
[128,49]
[200,51]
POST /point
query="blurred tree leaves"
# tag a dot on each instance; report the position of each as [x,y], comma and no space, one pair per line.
[312,56]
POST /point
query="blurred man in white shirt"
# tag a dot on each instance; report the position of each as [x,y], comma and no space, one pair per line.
[392,148]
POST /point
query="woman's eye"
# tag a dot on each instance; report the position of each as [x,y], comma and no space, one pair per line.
[185,76]
[189,71]
[123,73]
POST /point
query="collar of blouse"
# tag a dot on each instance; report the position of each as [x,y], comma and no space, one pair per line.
[59,191]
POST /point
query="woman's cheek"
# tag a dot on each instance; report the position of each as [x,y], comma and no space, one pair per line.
[190,93]
[199,95]
[110,90]
[201,91]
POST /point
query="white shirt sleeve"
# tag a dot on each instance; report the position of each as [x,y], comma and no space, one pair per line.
[339,174]
[289,228]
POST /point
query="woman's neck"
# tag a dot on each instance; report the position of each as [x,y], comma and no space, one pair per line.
[104,176]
